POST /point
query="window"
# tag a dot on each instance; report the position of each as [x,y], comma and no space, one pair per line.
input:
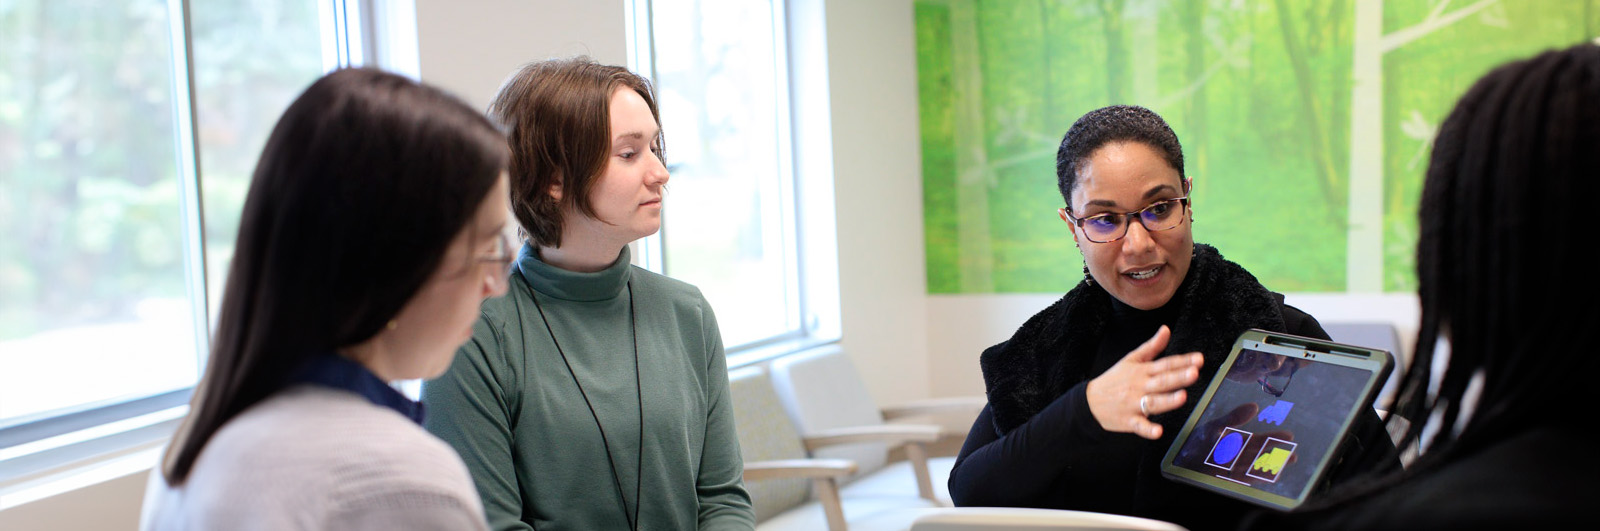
[128,135]
[720,68]
[93,280]
[250,60]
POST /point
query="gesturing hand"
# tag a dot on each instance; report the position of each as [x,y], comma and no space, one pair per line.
[1123,398]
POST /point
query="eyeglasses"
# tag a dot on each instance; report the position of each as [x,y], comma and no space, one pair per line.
[502,256]
[1277,390]
[1112,226]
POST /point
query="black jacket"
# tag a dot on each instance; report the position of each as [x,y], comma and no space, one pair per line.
[1037,445]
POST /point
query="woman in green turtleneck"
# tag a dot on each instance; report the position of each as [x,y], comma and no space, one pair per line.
[594,395]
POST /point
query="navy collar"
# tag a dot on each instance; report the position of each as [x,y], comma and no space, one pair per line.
[338,372]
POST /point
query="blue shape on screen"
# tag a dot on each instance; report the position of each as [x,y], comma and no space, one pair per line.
[1276,412]
[1227,448]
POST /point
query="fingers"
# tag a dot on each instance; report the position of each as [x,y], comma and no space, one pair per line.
[1167,381]
[1151,347]
[1157,403]
[1173,372]
[1172,363]
[1124,397]
[1144,428]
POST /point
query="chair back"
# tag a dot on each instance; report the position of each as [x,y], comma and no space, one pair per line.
[766,434]
[822,390]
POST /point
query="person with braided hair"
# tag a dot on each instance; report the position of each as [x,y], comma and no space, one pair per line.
[1495,392]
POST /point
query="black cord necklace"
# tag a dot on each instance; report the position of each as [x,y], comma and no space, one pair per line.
[616,479]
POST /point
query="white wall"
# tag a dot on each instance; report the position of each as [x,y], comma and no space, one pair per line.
[878,189]
[468,48]
[907,344]
[961,326]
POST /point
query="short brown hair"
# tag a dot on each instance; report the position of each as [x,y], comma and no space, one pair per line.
[557,114]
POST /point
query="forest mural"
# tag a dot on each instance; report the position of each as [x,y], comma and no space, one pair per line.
[1306,124]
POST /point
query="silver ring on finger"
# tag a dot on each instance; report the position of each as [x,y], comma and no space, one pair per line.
[1144,405]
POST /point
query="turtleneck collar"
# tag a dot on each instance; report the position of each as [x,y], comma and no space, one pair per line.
[554,282]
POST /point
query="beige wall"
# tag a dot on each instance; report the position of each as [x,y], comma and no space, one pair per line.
[111,505]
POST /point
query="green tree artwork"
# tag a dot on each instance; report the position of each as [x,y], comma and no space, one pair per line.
[1306,124]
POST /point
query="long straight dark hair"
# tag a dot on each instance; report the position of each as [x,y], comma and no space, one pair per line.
[1507,213]
[366,180]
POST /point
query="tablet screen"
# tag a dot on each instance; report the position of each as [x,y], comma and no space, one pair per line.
[1273,421]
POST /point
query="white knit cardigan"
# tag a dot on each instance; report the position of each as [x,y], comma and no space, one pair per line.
[313,458]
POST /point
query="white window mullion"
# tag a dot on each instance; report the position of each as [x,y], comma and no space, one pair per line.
[188,165]
[647,252]
[343,41]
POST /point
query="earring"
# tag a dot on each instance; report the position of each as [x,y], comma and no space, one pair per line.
[392,325]
[1086,276]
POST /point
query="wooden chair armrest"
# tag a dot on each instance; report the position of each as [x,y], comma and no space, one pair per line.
[892,434]
[798,468]
[935,406]
[823,473]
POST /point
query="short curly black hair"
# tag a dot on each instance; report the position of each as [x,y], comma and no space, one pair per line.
[1117,123]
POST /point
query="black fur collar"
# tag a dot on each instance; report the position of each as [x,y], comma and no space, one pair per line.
[1053,350]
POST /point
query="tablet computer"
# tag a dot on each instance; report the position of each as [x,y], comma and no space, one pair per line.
[1273,420]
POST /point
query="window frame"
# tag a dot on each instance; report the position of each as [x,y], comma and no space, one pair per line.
[34,447]
[810,271]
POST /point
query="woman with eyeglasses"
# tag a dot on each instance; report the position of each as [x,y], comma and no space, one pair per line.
[372,231]
[1085,397]
[595,394]
[1497,392]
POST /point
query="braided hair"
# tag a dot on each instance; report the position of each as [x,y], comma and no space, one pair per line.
[1504,222]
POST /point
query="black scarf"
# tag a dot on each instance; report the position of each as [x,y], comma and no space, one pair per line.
[1053,350]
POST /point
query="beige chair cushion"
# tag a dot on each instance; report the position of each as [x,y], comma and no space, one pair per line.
[897,479]
[765,433]
[822,391]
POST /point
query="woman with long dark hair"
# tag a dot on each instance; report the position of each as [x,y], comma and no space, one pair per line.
[1502,274]
[373,230]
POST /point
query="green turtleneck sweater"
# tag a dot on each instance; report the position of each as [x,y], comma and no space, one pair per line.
[512,409]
